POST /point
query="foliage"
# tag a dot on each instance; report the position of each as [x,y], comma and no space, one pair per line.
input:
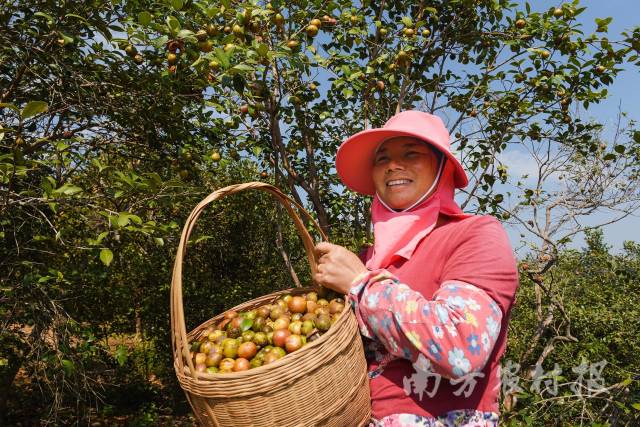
[116,118]
[601,299]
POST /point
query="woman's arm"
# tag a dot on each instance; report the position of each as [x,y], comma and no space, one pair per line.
[456,330]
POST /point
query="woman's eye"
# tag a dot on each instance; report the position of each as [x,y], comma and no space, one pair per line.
[382,159]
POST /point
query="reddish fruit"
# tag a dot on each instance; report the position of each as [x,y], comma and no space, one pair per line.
[241,364]
[297,304]
[247,350]
[244,109]
[293,44]
[380,85]
[280,337]
[335,306]
[293,343]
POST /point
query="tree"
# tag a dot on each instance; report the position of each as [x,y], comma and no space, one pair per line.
[118,116]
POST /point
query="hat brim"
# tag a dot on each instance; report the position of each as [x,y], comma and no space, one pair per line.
[354,159]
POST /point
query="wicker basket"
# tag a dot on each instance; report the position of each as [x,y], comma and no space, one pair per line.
[318,385]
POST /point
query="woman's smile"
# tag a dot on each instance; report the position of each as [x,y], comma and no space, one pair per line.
[404,169]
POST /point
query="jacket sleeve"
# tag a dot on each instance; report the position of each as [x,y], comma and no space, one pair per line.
[455,331]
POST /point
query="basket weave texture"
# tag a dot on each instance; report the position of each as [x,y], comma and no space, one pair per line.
[323,384]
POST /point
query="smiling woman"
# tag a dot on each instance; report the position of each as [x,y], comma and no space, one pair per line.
[405,170]
[433,295]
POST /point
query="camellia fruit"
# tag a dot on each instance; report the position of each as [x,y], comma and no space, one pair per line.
[312,30]
[297,304]
[280,337]
[247,350]
[293,343]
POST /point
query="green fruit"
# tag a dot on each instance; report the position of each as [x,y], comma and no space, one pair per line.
[212,30]
[206,347]
[248,336]
[226,365]
[323,322]
[295,327]
[230,348]
[237,30]
[130,50]
[260,339]
[258,324]
[312,30]
[201,35]
[307,327]
[279,351]
[212,370]
[264,311]
[558,12]
[255,362]
[276,312]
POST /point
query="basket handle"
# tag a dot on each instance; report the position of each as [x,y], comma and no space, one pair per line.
[178,327]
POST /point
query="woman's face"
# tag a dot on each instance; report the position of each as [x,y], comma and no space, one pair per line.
[404,168]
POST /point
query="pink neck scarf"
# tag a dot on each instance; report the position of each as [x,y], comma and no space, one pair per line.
[398,233]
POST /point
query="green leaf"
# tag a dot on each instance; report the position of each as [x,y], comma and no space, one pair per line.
[407,21]
[636,136]
[636,406]
[10,106]
[246,324]
[263,49]
[619,149]
[144,18]
[48,17]
[186,34]
[241,68]
[67,190]
[159,241]
[609,156]
[173,24]
[177,4]
[106,256]
[67,366]
[33,108]
[73,15]
[121,354]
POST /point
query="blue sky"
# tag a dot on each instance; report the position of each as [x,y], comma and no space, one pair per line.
[623,95]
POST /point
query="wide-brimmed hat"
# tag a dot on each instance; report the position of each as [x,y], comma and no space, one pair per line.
[354,160]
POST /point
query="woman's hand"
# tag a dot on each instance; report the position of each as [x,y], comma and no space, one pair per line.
[337,267]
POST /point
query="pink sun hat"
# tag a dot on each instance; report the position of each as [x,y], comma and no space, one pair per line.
[354,159]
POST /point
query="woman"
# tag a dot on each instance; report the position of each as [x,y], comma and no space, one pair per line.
[433,295]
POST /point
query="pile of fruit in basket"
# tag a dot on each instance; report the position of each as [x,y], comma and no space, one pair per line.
[249,339]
